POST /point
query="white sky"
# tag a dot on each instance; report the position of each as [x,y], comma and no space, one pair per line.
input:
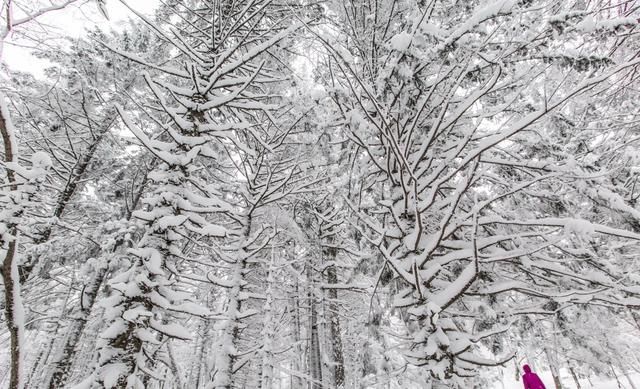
[72,21]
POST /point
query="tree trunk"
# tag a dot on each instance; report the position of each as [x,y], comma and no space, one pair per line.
[174,367]
[13,304]
[39,360]
[266,373]
[199,350]
[336,336]
[44,376]
[13,313]
[626,375]
[315,358]
[615,375]
[227,352]
[553,366]
[575,378]
[296,381]
[75,330]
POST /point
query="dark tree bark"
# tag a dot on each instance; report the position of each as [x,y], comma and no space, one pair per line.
[315,357]
[336,336]
[10,289]
[575,378]
[11,284]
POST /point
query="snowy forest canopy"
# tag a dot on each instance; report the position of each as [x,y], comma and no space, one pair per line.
[321,194]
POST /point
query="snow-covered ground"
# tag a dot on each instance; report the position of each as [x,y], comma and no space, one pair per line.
[568,383]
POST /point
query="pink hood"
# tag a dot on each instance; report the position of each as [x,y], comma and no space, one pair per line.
[531,380]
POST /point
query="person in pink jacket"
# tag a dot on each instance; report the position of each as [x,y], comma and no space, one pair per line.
[531,380]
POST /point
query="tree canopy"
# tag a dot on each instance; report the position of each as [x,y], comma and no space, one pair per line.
[337,194]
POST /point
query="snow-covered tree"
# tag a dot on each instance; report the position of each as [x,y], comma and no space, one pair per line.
[453,108]
[287,193]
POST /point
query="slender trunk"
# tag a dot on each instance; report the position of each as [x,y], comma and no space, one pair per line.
[13,313]
[575,378]
[174,367]
[227,353]
[626,375]
[615,375]
[556,379]
[39,360]
[13,303]
[62,364]
[266,373]
[323,339]
[296,381]
[43,357]
[40,368]
[199,351]
[336,336]
[146,379]
[553,366]
[315,360]
[45,376]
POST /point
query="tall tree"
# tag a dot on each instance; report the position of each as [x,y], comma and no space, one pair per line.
[216,124]
[12,188]
[439,100]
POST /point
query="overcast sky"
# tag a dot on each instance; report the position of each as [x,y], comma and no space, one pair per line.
[73,21]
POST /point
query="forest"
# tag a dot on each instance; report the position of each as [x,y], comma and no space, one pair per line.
[284,194]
